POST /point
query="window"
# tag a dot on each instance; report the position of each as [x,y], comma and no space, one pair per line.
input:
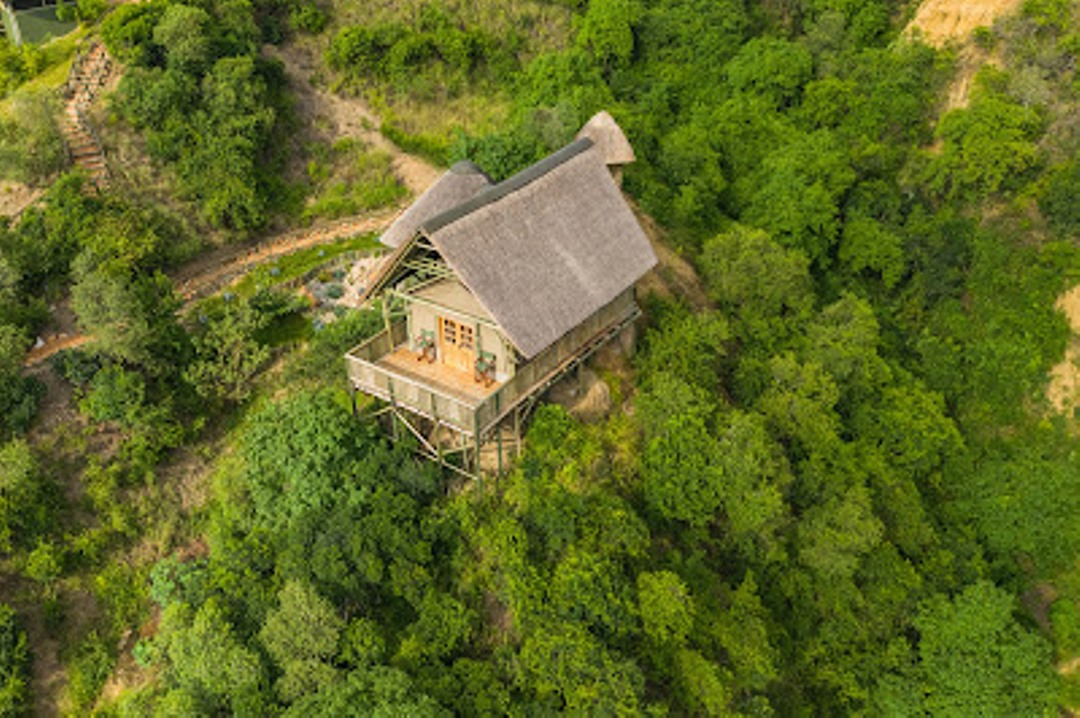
[458,334]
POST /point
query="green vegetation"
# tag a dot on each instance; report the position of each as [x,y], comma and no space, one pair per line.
[431,68]
[31,147]
[40,24]
[299,263]
[348,178]
[211,108]
[832,486]
[14,664]
[434,52]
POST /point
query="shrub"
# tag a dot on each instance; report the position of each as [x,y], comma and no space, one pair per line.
[437,50]
[115,395]
[308,17]
[89,670]
[90,11]
[25,501]
[1058,199]
[14,665]
[76,366]
[31,147]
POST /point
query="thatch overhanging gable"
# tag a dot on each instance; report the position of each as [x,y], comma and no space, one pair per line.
[547,248]
[609,139]
[455,186]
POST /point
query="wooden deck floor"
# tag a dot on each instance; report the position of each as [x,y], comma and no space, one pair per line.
[447,380]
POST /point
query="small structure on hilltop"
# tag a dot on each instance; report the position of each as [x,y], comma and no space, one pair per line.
[495,291]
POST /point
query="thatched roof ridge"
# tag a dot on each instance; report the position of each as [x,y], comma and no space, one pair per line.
[507,186]
[547,248]
[458,184]
[609,138]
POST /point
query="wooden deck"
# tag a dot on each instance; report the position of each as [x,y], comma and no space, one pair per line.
[383,367]
[437,375]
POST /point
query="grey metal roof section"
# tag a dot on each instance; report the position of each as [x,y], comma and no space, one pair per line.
[609,138]
[461,182]
[547,248]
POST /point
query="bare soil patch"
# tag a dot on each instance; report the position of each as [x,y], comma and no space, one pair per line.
[969,61]
[673,275]
[1064,389]
[942,21]
[329,117]
[16,197]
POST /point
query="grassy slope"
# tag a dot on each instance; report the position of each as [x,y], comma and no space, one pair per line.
[484,107]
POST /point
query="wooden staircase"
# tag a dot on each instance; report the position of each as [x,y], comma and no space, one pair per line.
[87,76]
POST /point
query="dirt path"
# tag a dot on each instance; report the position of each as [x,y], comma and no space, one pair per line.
[53,345]
[216,269]
[334,117]
[1064,389]
[338,117]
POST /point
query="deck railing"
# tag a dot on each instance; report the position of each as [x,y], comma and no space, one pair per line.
[368,376]
[550,364]
[473,418]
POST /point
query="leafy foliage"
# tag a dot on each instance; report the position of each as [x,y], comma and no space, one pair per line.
[26,499]
[228,352]
[31,147]
[975,657]
[210,106]
[14,665]
[822,487]
[436,51]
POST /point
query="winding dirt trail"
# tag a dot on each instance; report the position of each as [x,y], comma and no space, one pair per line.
[341,117]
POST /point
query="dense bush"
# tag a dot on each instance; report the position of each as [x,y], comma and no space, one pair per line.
[17,64]
[437,50]
[827,477]
[32,149]
[27,497]
[227,352]
[1058,199]
[19,395]
[210,106]
[14,665]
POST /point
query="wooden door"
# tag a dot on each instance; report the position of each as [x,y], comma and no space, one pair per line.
[457,344]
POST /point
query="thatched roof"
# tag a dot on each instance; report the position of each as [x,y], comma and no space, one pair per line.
[461,182]
[609,139]
[547,248]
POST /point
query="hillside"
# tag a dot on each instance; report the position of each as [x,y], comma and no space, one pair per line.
[837,476]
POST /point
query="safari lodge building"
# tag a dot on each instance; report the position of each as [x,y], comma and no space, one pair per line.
[495,291]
